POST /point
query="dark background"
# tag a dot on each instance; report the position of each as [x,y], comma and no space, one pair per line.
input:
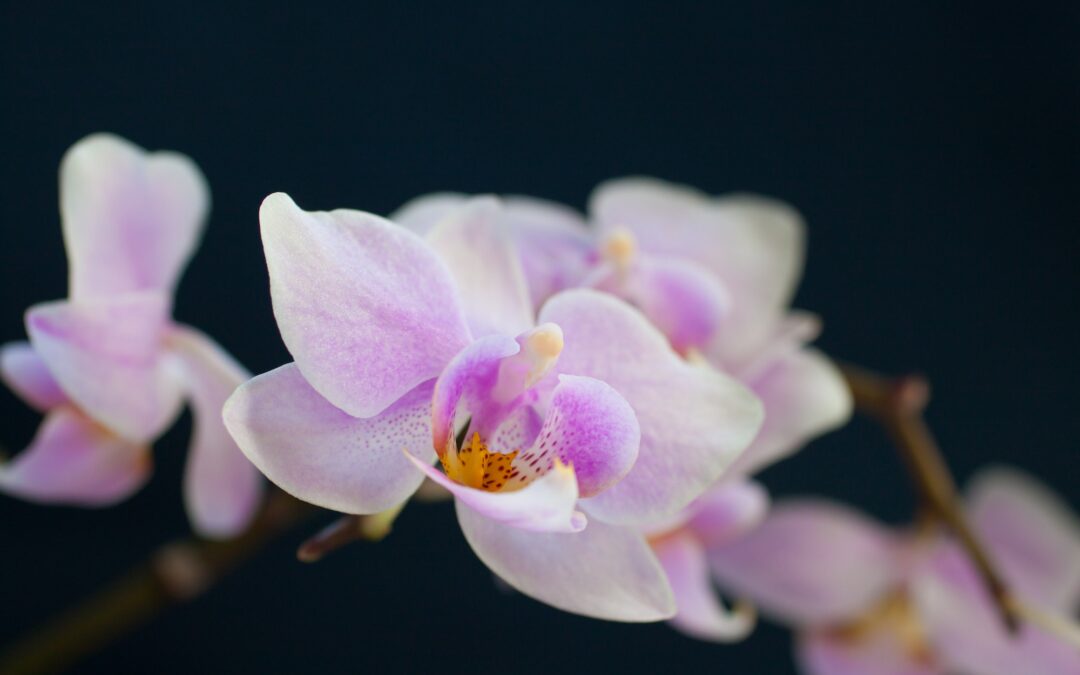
[933,151]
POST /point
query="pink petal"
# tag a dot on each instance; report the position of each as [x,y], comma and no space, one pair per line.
[365,307]
[106,354]
[555,245]
[694,421]
[604,571]
[789,333]
[222,489]
[728,511]
[131,218]
[968,634]
[545,505]
[752,244]
[590,427]
[476,248]
[319,453]
[74,461]
[1032,534]
[684,300]
[468,381]
[878,653]
[804,396]
[809,563]
[422,213]
[701,614]
[26,374]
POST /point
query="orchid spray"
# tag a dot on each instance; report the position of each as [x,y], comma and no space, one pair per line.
[596,393]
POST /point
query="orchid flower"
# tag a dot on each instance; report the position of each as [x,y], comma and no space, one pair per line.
[108,366]
[558,436]
[867,600]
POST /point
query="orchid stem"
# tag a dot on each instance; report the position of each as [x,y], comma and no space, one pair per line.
[346,530]
[175,573]
[898,404]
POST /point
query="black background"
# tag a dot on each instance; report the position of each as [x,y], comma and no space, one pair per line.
[933,151]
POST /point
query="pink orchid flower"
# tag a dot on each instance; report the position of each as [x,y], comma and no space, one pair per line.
[558,436]
[866,600]
[108,366]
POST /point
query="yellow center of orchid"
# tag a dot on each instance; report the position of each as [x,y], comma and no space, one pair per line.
[476,466]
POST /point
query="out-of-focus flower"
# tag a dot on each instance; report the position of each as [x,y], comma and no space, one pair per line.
[108,366]
[558,440]
[870,601]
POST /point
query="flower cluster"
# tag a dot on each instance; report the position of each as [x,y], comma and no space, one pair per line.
[595,392]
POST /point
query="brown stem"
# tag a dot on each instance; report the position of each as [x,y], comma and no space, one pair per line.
[346,530]
[898,404]
[175,573]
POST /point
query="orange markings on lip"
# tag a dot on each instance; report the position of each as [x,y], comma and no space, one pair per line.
[476,466]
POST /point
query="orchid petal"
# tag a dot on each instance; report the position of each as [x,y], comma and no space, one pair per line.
[553,240]
[879,653]
[27,375]
[1031,534]
[74,461]
[106,354]
[318,453]
[366,308]
[694,421]
[222,489]
[790,333]
[967,632]
[701,614]
[544,505]
[804,396]
[604,571]
[471,375]
[754,245]
[555,245]
[590,427]
[684,300]
[728,511]
[845,563]
[422,213]
[131,219]
[478,252]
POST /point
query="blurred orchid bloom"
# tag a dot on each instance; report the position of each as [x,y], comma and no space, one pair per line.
[108,367]
[558,436]
[870,601]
